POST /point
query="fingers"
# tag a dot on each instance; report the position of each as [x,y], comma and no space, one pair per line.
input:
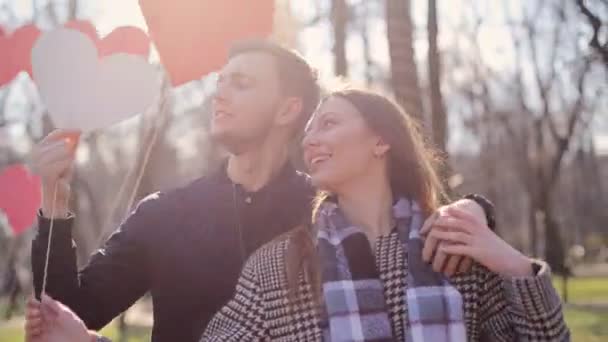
[455,223]
[439,261]
[60,133]
[430,246]
[53,152]
[50,306]
[33,319]
[70,137]
[52,161]
[452,236]
[452,264]
[465,265]
[456,249]
[428,224]
[465,216]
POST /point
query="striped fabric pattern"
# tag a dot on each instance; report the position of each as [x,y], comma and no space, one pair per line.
[495,308]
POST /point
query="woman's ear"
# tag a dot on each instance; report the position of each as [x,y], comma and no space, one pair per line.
[381,148]
[289,111]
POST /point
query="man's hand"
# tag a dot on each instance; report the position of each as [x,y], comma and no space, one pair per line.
[53,160]
[465,234]
[448,264]
[51,321]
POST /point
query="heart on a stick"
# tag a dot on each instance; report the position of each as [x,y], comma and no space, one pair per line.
[193,36]
[83,92]
[20,197]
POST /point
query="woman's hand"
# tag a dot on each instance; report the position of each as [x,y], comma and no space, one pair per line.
[466,235]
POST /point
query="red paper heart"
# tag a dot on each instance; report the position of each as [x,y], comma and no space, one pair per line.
[7,72]
[20,197]
[15,52]
[193,36]
[23,40]
[125,39]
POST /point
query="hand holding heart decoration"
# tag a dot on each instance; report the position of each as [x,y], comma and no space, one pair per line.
[20,197]
[83,92]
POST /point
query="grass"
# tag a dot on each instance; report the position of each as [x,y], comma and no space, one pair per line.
[584,290]
[587,323]
[14,333]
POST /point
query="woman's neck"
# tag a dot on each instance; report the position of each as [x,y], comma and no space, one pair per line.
[368,205]
[255,168]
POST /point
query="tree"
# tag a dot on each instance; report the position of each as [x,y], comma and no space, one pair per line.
[597,24]
[531,116]
[438,114]
[339,20]
[404,74]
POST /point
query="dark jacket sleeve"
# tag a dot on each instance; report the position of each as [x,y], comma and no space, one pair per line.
[116,275]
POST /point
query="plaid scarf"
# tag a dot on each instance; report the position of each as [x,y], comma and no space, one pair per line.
[355,307]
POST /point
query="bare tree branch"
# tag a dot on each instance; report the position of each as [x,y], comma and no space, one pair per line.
[596,25]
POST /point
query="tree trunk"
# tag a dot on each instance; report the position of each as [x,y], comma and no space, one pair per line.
[437,108]
[533,219]
[367,53]
[554,245]
[404,75]
[339,19]
[438,114]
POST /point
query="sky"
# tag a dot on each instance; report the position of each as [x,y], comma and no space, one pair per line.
[315,42]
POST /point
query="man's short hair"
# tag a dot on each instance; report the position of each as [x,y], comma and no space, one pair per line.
[297,78]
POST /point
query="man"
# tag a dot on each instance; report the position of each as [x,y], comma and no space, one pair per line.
[186,247]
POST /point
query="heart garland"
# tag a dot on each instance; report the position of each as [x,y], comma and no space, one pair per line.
[16,48]
[21,197]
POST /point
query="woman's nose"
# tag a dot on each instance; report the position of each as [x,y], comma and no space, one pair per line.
[310,139]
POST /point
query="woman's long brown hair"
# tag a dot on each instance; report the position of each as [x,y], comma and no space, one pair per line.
[412,172]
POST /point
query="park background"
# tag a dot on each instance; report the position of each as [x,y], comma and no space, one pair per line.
[513,92]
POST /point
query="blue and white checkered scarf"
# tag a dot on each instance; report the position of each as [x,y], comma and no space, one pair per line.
[355,306]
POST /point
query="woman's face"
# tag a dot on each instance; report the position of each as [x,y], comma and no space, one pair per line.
[339,147]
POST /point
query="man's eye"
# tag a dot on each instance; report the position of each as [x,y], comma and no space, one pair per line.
[242,82]
[328,123]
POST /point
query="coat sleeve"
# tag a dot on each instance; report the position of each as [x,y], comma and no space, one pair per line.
[243,317]
[521,308]
[115,276]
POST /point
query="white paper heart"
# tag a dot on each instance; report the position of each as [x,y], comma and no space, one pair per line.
[84,92]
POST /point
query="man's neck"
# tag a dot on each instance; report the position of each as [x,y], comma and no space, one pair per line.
[255,168]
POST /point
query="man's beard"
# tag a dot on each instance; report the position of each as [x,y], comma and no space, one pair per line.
[236,144]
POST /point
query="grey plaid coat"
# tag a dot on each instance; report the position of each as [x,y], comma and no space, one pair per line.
[495,309]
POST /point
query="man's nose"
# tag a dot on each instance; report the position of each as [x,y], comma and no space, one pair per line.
[222,93]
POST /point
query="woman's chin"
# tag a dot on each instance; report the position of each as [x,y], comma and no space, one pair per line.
[321,182]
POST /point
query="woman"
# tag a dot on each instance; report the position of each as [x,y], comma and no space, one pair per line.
[361,272]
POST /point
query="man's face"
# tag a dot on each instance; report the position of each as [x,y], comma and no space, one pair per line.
[246,101]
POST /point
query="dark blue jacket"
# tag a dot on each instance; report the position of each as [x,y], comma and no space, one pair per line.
[185,247]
